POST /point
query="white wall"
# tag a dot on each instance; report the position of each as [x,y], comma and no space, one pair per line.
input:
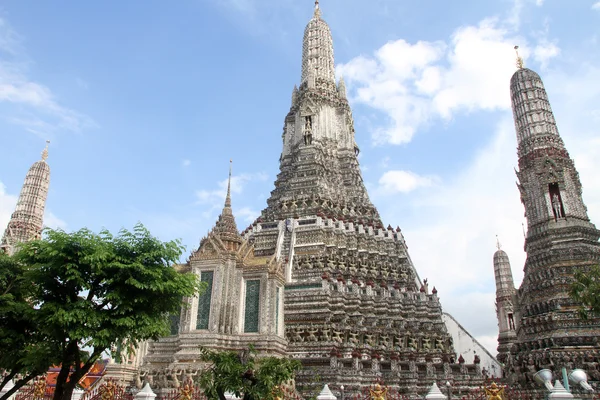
[468,346]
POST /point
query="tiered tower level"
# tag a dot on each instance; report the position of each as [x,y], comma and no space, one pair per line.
[27,221]
[560,239]
[355,309]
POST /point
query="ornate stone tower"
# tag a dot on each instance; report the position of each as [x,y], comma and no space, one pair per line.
[506,302]
[27,221]
[560,237]
[317,276]
[242,304]
[355,309]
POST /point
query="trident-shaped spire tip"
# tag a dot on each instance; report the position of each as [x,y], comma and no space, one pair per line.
[317,9]
[45,151]
[519,58]
[498,243]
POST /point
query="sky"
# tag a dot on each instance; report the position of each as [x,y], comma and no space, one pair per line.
[145,103]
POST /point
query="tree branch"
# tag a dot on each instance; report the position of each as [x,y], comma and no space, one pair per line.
[8,377]
[19,384]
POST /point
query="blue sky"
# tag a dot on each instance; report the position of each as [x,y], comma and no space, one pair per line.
[146,102]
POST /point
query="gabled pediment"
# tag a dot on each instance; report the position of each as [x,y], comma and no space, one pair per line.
[308,107]
[245,252]
[211,246]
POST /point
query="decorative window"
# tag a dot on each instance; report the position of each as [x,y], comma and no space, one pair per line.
[204,301]
[251,310]
[511,322]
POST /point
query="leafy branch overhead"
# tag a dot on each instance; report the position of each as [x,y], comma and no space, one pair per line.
[90,293]
[586,290]
[245,375]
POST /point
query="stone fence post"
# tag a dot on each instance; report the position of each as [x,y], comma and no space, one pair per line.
[146,393]
[559,392]
[326,394]
[435,393]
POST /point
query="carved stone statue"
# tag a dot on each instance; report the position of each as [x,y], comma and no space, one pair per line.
[378,393]
[556,206]
[426,344]
[493,392]
[337,336]
[312,337]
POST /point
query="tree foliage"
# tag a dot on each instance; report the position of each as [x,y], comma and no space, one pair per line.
[90,293]
[245,375]
[585,290]
[26,352]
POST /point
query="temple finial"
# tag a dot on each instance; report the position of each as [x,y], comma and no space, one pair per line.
[317,9]
[498,243]
[228,198]
[520,64]
[45,151]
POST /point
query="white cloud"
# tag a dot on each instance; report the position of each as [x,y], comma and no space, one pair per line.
[7,206]
[414,84]
[451,232]
[246,215]
[514,15]
[40,112]
[451,227]
[212,200]
[238,182]
[186,163]
[54,222]
[596,6]
[403,181]
[544,51]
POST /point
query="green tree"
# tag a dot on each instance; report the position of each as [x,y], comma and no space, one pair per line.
[26,351]
[585,290]
[245,375]
[91,293]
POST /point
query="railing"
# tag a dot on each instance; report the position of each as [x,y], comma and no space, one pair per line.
[190,391]
[108,390]
[187,391]
[38,390]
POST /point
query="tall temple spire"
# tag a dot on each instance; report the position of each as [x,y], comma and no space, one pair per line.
[560,237]
[505,303]
[226,228]
[553,191]
[320,173]
[228,196]
[26,222]
[317,50]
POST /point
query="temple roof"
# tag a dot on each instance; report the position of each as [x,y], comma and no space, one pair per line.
[225,227]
